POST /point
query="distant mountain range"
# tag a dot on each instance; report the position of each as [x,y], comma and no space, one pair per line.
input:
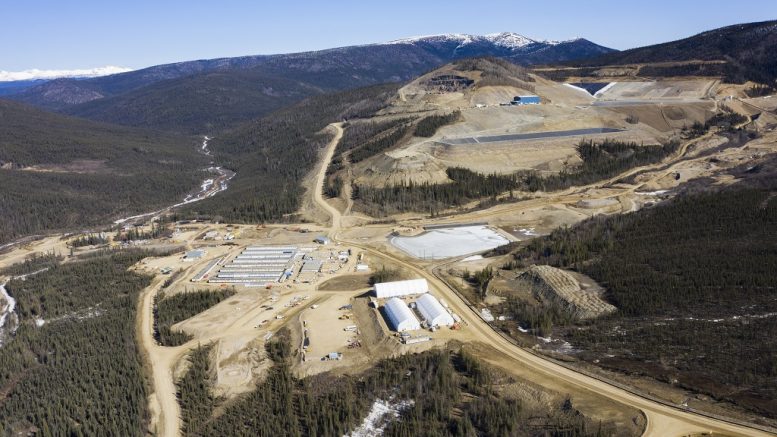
[206,95]
[35,74]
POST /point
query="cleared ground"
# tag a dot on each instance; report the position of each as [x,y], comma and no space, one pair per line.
[532,136]
[491,137]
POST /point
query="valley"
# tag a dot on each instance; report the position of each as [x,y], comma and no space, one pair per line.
[466,243]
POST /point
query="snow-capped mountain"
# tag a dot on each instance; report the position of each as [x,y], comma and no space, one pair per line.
[36,74]
[505,40]
[518,48]
[508,40]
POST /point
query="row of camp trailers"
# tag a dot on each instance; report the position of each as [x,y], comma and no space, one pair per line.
[258,265]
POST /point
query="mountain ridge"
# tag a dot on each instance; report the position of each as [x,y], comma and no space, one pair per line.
[37,74]
[746,48]
[329,69]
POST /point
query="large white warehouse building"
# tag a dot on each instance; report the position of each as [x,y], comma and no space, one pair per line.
[433,312]
[400,316]
[385,290]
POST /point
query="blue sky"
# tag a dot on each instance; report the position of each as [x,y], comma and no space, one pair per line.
[68,34]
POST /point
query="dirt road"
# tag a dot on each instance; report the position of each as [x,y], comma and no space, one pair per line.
[662,419]
[165,412]
[318,191]
[164,360]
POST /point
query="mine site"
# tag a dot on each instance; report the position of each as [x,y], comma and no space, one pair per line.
[543,246]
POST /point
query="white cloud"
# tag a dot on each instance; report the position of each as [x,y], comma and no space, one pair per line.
[9,76]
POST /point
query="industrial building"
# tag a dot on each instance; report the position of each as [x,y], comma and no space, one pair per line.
[433,312]
[311,266]
[400,317]
[385,290]
[203,274]
[194,255]
[526,100]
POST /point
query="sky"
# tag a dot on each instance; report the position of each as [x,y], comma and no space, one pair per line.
[70,34]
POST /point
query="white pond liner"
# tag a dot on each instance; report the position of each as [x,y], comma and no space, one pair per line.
[450,242]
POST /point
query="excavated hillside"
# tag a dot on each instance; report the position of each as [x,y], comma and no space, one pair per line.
[491,135]
[553,286]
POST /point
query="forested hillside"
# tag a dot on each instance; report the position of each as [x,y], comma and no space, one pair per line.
[203,103]
[72,367]
[444,393]
[59,172]
[746,51]
[693,281]
[273,154]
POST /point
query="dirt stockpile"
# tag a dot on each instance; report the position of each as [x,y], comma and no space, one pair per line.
[556,287]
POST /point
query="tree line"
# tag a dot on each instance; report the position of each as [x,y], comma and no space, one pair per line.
[466,187]
[428,126]
[169,310]
[600,160]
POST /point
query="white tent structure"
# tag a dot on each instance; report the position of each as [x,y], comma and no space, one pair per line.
[400,317]
[433,312]
[385,290]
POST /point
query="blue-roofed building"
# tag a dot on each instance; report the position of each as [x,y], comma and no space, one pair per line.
[526,100]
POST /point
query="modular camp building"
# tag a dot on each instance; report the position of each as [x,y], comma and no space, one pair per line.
[385,290]
[526,100]
[194,255]
[433,312]
[400,317]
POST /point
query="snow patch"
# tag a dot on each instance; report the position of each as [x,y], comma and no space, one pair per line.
[7,308]
[486,315]
[508,40]
[24,277]
[472,258]
[380,415]
[527,232]
[34,74]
